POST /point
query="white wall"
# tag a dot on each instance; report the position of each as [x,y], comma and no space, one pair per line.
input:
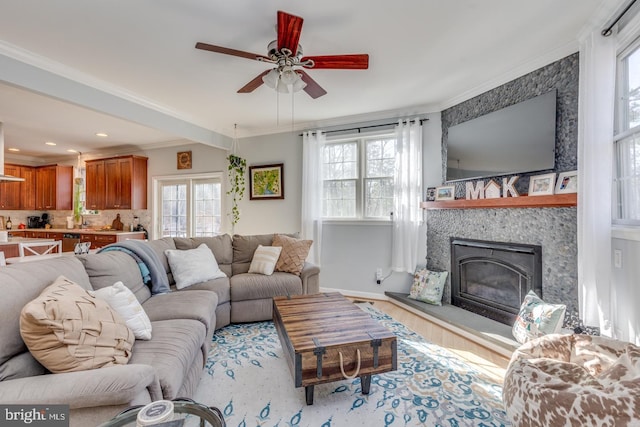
[273,216]
[625,282]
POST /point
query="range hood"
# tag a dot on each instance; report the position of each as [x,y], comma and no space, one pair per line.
[4,177]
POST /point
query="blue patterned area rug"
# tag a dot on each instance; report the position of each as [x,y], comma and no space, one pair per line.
[247,378]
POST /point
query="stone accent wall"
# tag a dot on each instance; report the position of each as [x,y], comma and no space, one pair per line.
[561,75]
[555,229]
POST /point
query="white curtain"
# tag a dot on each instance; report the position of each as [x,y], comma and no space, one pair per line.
[312,192]
[407,214]
[595,173]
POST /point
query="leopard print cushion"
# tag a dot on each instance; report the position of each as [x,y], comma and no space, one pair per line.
[573,380]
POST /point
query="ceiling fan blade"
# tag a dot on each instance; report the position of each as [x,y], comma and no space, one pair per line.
[228,51]
[348,62]
[289,29]
[312,88]
[253,84]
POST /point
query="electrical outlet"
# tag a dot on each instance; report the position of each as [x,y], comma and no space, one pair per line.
[617,258]
[379,274]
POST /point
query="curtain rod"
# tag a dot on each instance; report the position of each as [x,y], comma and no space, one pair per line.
[607,31]
[359,128]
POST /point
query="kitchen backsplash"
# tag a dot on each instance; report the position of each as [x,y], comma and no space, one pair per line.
[58,219]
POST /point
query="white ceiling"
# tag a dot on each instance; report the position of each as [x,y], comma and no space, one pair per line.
[425,55]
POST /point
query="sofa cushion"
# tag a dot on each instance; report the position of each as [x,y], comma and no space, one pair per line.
[193,265]
[220,286]
[124,302]
[172,351]
[244,248]
[194,305]
[19,284]
[265,259]
[106,268]
[66,329]
[219,245]
[294,253]
[248,286]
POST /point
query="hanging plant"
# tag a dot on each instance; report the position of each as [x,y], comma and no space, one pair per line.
[236,171]
[77,200]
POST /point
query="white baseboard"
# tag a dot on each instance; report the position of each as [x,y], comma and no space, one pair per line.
[357,294]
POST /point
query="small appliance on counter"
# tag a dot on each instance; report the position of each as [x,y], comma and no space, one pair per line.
[33,222]
[38,222]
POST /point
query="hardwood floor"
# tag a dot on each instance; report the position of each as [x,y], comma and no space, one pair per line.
[489,362]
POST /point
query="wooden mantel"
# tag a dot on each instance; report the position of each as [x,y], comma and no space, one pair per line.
[552,201]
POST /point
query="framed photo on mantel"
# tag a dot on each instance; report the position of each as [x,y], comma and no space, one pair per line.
[567,182]
[542,185]
[446,192]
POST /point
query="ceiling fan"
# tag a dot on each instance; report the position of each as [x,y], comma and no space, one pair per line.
[286,54]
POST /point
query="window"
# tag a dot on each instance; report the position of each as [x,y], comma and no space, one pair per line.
[627,139]
[189,207]
[358,178]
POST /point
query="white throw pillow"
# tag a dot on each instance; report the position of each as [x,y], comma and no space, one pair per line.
[264,259]
[193,265]
[124,302]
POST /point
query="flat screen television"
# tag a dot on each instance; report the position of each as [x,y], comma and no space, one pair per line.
[517,139]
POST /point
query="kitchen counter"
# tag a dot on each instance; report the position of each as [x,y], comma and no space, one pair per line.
[16,240]
[78,231]
[98,238]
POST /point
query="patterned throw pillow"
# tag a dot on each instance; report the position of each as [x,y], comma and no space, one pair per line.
[294,253]
[66,329]
[428,286]
[264,259]
[537,318]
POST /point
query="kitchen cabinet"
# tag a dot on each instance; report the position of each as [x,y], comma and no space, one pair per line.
[54,187]
[10,191]
[117,183]
[95,189]
[18,195]
[99,240]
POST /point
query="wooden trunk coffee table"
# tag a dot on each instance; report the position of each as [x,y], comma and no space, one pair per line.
[326,338]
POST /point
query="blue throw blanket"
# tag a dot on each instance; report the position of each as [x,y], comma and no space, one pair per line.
[151,268]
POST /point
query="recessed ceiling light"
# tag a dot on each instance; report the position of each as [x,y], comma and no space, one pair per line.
[71,150]
[13,149]
[50,143]
[102,134]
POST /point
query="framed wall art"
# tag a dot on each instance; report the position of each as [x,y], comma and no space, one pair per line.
[266,182]
[184,160]
[542,185]
[446,192]
[567,182]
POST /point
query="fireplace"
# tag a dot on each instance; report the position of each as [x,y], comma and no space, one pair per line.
[492,278]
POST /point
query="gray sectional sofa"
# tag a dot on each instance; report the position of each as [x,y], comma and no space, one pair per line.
[183,322]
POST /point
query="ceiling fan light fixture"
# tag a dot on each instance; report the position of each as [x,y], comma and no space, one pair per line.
[299,84]
[288,76]
[281,87]
[271,78]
